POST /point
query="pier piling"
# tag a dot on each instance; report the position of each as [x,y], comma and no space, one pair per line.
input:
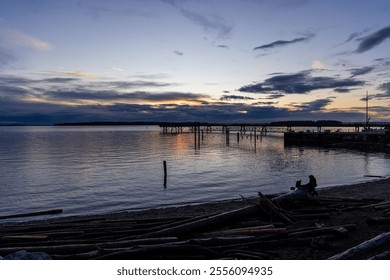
[165,173]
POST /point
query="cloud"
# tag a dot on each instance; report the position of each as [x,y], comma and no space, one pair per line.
[10,37]
[178,53]
[299,83]
[74,73]
[13,110]
[235,97]
[117,69]
[223,46]
[385,87]
[312,106]
[55,99]
[81,97]
[6,57]
[384,61]
[361,71]
[70,90]
[369,42]
[281,43]
[355,35]
[125,85]
[274,96]
[262,103]
[213,24]
[342,90]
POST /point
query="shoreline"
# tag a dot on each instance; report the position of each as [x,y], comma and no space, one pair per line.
[346,217]
[367,189]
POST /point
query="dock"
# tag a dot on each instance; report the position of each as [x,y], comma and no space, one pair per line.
[314,133]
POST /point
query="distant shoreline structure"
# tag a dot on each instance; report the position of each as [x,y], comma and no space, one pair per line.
[301,123]
[305,123]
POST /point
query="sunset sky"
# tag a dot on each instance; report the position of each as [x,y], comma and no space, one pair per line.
[187,60]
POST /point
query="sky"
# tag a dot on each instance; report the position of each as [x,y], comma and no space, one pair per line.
[184,60]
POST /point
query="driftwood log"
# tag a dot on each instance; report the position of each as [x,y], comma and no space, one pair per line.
[271,210]
[208,222]
[369,245]
[32,214]
[299,196]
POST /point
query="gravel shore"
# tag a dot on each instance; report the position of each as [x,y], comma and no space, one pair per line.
[348,221]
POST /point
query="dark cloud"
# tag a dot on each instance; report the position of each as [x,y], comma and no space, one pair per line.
[281,43]
[299,83]
[384,61]
[74,90]
[342,90]
[98,96]
[52,97]
[355,35]
[223,46]
[235,97]
[385,94]
[133,84]
[361,71]
[312,106]
[178,53]
[58,80]
[274,96]
[385,87]
[373,40]
[262,103]
[18,111]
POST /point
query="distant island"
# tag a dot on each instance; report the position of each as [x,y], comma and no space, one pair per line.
[278,123]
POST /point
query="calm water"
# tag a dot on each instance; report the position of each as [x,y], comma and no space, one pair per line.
[102,169]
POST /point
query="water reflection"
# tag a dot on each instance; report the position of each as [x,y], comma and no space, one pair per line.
[100,169]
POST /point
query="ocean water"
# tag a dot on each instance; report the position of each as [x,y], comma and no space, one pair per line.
[98,169]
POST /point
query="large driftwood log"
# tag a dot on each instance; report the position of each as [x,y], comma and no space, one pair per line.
[378,221]
[272,210]
[204,223]
[380,205]
[369,245]
[32,214]
[166,251]
[336,231]
[311,216]
[253,230]
[382,256]
[301,195]
[295,199]
[87,247]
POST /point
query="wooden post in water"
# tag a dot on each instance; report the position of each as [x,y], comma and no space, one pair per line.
[238,137]
[165,173]
[227,136]
[255,138]
[199,136]
[195,136]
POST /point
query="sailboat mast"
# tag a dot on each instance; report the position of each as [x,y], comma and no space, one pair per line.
[367,118]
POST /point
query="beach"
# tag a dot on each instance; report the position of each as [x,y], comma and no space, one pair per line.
[86,237]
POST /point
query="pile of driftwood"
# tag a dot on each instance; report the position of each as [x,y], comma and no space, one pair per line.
[260,230]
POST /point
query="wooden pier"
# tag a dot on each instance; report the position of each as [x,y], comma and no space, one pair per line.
[273,127]
[320,133]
